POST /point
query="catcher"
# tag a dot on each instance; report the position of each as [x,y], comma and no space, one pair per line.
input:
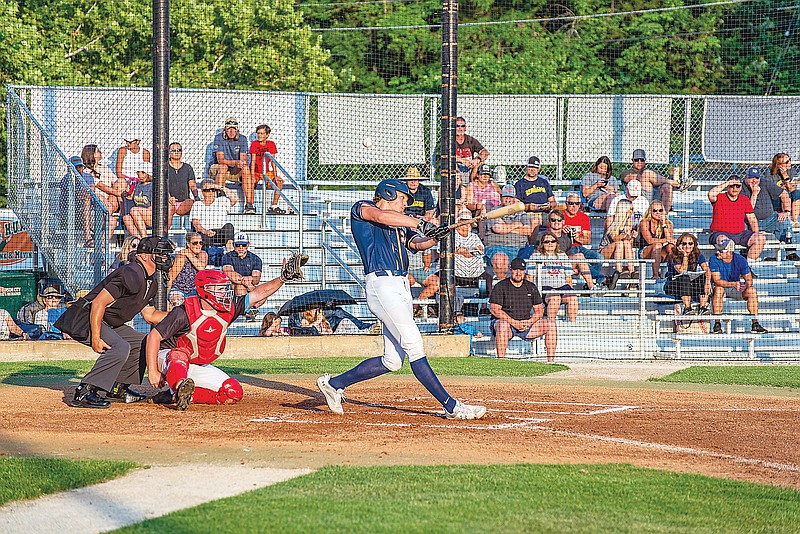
[194,333]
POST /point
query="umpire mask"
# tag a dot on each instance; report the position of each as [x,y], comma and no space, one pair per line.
[162,250]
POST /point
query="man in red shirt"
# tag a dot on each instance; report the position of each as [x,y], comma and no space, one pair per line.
[731,211]
[470,153]
[258,149]
[579,227]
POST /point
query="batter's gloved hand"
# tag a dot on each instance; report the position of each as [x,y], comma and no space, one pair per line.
[428,229]
[292,266]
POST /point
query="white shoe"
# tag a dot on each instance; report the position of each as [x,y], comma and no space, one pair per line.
[332,396]
[466,411]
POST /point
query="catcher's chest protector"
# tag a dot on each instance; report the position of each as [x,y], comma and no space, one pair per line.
[206,337]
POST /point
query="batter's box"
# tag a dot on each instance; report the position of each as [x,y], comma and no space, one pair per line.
[550,408]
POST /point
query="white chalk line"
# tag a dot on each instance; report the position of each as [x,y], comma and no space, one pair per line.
[527,423]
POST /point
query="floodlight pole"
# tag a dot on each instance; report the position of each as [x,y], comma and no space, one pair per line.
[448,163]
[160,153]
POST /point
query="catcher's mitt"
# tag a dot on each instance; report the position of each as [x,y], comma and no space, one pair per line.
[292,266]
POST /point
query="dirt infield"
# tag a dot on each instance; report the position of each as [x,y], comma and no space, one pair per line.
[747,434]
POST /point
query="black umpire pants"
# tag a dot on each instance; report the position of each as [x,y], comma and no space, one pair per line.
[124,362]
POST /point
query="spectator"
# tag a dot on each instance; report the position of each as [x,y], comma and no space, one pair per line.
[271,326]
[188,262]
[599,186]
[617,242]
[335,321]
[462,328]
[535,192]
[314,318]
[423,206]
[782,173]
[633,193]
[732,278]
[517,308]
[130,158]
[730,211]
[140,214]
[657,236]
[763,195]
[654,186]
[242,266]
[469,151]
[260,163]
[126,253]
[483,194]
[555,274]
[107,187]
[83,200]
[579,227]
[9,327]
[181,183]
[230,154]
[38,311]
[505,236]
[684,279]
[210,215]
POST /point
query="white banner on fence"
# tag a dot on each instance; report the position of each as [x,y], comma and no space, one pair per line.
[750,129]
[615,126]
[512,128]
[105,117]
[370,130]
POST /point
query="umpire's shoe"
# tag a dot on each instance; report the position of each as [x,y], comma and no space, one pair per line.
[183,394]
[86,397]
[123,392]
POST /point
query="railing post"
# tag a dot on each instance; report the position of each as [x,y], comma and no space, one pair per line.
[642,307]
[687,127]
[324,252]
[560,137]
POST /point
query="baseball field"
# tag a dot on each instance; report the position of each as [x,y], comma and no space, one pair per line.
[586,447]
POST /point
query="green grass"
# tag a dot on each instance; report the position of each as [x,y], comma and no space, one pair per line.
[28,478]
[787,376]
[498,498]
[312,366]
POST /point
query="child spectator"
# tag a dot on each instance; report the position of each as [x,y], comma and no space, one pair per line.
[260,163]
[271,326]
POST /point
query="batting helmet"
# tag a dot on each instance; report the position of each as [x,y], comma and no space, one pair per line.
[162,250]
[388,190]
[220,299]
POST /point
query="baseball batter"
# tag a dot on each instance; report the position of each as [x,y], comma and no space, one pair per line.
[194,333]
[383,234]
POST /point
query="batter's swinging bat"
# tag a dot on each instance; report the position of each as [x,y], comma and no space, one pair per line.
[494,214]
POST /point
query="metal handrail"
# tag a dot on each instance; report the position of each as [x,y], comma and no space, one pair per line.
[297,209]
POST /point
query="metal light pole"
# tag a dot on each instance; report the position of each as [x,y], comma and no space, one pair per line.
[160,153]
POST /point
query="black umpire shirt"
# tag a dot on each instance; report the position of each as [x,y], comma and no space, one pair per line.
[131,289]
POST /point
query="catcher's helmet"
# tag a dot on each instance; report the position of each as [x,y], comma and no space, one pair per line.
[221,298]
[388,190]
[162,250]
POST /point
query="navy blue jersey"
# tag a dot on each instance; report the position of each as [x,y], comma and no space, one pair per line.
[381,247]
[423,202]
[534,192]
[244,266]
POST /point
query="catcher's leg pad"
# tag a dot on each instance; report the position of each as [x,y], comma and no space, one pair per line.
[177,365]
[230,393]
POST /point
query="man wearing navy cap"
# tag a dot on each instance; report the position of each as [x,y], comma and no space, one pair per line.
[764,195]
[654,186]
[535,191]
[732,278]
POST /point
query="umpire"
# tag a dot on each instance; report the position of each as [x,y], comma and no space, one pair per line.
[98,320]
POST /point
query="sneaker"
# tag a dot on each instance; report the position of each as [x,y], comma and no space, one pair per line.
[249,209]
[466,411]
[704,310]
[86,397]
[756,328]
[684,183]
[183,394]
[251,315]
[332,396]
[792,256]
[689,311]
[717,328]
[611,281]
[162,397]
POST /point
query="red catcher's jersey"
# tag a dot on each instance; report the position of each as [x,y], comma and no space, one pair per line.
[206,336]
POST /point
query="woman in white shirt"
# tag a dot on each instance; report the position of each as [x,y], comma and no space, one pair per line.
[554,273]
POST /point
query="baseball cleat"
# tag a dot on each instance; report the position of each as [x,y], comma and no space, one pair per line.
[86,397]
[332,396]
[466,411]
[123,392]
[183,394]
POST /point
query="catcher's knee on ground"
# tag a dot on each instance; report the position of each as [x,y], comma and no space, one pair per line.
[230,393]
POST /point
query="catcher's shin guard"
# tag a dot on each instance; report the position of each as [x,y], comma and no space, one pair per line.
[230,393]
[177,365]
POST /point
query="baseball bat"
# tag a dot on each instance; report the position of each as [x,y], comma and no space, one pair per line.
[494,214]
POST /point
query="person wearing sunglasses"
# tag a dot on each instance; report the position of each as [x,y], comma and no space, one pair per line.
[579,227]
[181,183]
[730,211]
[470,153]
[657,236]
[209,216]
[782,174]
[733,279]
[242,266]
[764,195]
[688,275]
[617,243]
[554,276]
[188,262]
[654,186]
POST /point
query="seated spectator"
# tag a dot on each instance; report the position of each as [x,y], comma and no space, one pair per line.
[782,174]
[107,187]
[732,278]
[633,193]
[462,328]
[8,327]
[43,311]
[260,163]
[657,236]
[470,153]
[483,193]
[230,162]
[126,253]
[579,227]
[518,310]
[554,273]
[764,195]
[730,211]
[340,322]
[654,186]
[188,262]
[535,192]
[423,206]
[181,183]
[271,326]
[242,266]
[210,215]
[617,242]
[140,213]
[505,236]
[599,186]
[130,158]
[688,274]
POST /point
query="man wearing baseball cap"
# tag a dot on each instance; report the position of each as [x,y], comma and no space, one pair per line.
[654,186]
[731,210]
[732,278]
[764,195]
[230,156]
[535,192]
[423,206]
[506,235]
[469,151]
[633,192]
[242,266]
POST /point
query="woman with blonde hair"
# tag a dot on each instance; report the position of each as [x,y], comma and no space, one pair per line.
[555,274]
[314,318]
[125,254]
[657,236]
[618,239]
[782,173]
